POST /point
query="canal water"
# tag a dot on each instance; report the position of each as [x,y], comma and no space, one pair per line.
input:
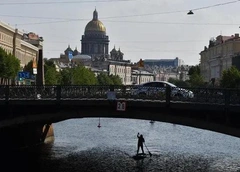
[81,146]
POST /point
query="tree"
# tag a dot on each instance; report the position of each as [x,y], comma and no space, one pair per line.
[29,67]
[230,78]
[66,76]
[116,80]
[12,65]
[49,63]
[194,70]
[9,67]
[83,76]
[52,77]
[104,79]
[196,79]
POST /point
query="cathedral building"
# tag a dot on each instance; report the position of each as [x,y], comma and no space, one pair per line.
[95,54]
[95,43]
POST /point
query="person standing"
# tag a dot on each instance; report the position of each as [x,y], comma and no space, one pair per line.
[140,143]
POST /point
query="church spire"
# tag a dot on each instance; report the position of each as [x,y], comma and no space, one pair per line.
[95,14]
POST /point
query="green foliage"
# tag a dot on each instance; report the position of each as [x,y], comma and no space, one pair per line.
[12,65]
[9,65]
[66,76]
[29,67]
[196,80]
[3,56]
[230,78]
[52,77]
[194,70]
[83,76]
[104,79]
[49,63]
[116,80]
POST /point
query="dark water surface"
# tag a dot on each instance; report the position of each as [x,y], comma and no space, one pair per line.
[80,146]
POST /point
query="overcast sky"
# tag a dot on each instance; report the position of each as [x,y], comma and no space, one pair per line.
[147,29]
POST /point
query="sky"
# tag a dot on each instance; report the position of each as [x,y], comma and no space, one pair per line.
[142,29]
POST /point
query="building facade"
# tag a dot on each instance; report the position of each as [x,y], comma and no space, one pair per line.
[164,63]
[12,41]
[122,69]
[221,53]
[142,76]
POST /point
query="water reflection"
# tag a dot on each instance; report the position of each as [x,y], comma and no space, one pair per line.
[80,146]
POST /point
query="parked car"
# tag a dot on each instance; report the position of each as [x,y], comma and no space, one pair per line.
[157,87]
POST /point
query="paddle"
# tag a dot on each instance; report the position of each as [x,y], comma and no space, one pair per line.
[147,149]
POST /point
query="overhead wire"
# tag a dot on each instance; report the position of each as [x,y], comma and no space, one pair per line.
[94,1]
[123,16]
[159,22]
[61,2]
[62,20]
[143,22]
[139,42]
[37,17]
[55,50]
[216,5]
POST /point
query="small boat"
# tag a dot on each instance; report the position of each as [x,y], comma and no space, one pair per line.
[139,156]
[151,121]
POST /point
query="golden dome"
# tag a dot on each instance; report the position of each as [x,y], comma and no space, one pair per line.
[95,24]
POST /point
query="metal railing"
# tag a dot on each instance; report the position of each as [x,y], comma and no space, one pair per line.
[129,92]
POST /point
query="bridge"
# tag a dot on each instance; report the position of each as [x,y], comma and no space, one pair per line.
[37,107]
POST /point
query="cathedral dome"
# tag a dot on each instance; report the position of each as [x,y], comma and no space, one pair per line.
[95,25]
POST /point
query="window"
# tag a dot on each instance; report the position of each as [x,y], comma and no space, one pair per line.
[151,84]
[161,85]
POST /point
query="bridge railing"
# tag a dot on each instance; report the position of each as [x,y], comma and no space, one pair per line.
[200,95]
[83,92]
[209,95]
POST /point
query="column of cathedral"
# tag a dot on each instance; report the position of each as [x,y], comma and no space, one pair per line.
[106,49]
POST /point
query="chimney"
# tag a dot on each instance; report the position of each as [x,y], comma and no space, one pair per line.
[236,35]
[15,42]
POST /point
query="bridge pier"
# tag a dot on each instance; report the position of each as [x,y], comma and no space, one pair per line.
[25,135]
[47,133]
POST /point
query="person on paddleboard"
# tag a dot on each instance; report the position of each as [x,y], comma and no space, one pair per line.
[140,142]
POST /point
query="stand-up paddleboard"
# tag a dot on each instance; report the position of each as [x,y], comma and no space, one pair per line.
[139,156]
